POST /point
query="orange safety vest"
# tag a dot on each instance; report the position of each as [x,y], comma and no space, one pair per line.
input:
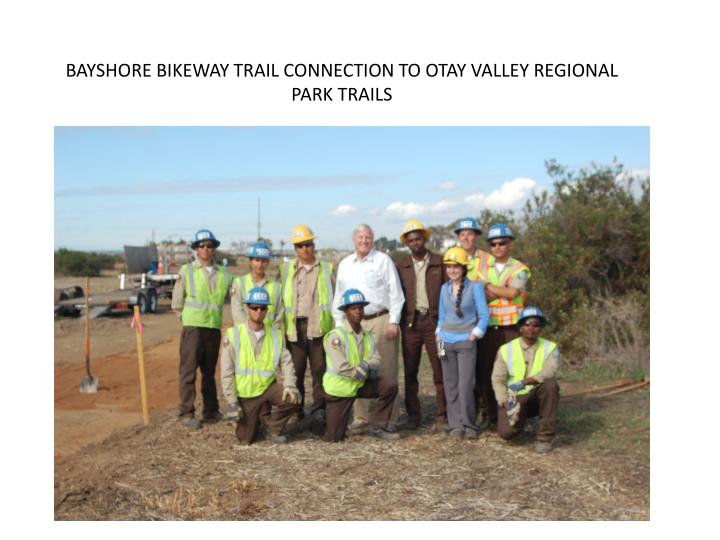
[479,264]
[504,311]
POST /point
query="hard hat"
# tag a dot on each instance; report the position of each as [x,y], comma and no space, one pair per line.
[411,226]
[204,235]
[532,312]
[467,223]
[352,297]
[499,231]
[456,255]
[259,250]
[301,234]
[258,297]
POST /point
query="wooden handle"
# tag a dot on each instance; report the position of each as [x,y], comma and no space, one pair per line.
[141,364]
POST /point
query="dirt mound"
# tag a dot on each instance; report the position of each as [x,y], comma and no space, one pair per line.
[166,472]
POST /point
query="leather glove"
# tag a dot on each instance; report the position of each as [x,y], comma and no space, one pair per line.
[517,386]
[291,395]
[373,375]
[360,373]
[440,347]
[235,411]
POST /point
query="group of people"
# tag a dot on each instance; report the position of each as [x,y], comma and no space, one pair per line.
[466,308]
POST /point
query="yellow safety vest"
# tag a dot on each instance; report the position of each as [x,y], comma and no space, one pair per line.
[512,355]
[272,287]
[338,385]
[203,308]
[254,375]
[324,297]
[504,311]
[478,266]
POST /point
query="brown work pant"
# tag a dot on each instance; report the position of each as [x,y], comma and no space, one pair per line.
[246,429]
[542,401]
[387,348]
[422,332]
[495,337]
[198,350]
[302,350]
[338,409]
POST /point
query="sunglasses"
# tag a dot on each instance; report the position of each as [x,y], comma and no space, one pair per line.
[206,246]
[255,308]
[300,246]
[497,244]
[532,323]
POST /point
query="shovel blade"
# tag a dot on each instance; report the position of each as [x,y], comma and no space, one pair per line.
[89,385]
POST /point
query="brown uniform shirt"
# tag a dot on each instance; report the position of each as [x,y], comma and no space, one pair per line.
[500,372]
[227,365]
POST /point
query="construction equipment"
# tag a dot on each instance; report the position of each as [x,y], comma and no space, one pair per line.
[89,384]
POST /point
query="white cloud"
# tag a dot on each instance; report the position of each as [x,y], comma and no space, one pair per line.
[510,194]
[446,186]
[344,210]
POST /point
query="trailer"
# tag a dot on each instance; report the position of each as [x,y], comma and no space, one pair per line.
[142,289]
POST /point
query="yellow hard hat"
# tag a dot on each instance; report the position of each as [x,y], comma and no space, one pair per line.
[413,225]
[456,255]
[301,234]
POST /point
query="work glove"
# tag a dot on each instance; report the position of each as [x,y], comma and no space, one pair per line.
[517,386]
[373,375]
[235,411]
[512,408]
[291,395]
[440,346]
[360,373]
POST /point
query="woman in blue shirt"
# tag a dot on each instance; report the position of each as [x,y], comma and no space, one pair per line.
[462,321]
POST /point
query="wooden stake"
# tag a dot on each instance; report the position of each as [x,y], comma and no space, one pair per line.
[597,389]
[141,363]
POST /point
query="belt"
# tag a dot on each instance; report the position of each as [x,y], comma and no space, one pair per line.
[423,312]
[378,314]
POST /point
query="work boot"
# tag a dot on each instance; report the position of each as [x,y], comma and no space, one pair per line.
[383,434]
[214,417]
[278,439]
[191,423]
[410,425]
[543,447]
[456,434]
[471,433]
[358,426]
[440,426]
[391,428]
[317,422]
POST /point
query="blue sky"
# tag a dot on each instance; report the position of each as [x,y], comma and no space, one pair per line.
[114,185]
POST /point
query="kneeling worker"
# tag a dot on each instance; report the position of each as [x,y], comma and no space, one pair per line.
[523,380]
[253,350]
[350,356]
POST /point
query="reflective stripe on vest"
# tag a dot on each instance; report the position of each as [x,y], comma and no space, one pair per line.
[271,286]
[504,311]
[338,385]
[203,308]
[253,376]
[324,294]
[512,355]
[479,265]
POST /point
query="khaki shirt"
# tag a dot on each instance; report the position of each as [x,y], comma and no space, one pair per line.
[239,310]
[421,298]
[178,293]
[337,356]
[305,301]
[500,372]
[227,365]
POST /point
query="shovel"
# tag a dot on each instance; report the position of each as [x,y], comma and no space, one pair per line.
[89,384]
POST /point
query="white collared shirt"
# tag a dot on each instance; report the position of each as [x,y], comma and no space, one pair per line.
[377,278]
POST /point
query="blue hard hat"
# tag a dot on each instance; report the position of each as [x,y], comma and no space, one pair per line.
[259,250]
[204,235]
[499,230]
[352,297]
[469,223]
[532,312]
[258,297]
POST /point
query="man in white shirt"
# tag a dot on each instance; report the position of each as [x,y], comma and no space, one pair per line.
[375,275]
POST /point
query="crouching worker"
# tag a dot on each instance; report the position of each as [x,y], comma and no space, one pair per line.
[253,351]
[524,382]
[351,367]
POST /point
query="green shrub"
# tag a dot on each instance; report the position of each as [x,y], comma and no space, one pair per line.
[82,263]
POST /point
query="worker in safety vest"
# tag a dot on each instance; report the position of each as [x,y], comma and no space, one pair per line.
[524,378]
[253,351]
[307,292]
[468,232]
[198,297]
[352,372]
[505,281]
[259,255]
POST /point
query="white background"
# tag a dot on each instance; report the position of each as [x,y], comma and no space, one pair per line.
[668,80]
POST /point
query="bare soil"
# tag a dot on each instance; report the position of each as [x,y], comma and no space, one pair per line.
[109,466]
